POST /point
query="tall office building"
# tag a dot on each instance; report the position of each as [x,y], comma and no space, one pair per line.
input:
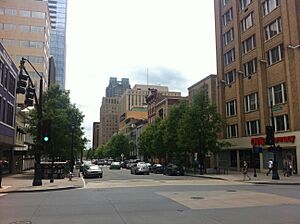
[117,88]
[58,17]
[25,32]
[258,73]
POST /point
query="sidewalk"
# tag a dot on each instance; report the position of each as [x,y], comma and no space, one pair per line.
[260,179]
[23,183]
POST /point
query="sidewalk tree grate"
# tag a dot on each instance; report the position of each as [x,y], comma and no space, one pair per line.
[197,198]
[21,222]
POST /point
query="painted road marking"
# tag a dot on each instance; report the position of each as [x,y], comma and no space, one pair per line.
[227,199]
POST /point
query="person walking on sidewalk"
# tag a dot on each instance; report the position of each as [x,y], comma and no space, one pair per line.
[245,170]
[270,166]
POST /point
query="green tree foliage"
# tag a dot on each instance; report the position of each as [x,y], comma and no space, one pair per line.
[118,144]
[66,122]
[200,126]
[189,128]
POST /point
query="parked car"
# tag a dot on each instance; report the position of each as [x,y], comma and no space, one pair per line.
[115,165]
[157,168]
[172,169]
[101,162]
[92,171]
[139,168]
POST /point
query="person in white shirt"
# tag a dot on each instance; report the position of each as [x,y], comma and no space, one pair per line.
[270,166]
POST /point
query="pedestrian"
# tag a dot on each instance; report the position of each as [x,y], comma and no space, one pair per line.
[1,173]
[290,168]
[270,166]
[286,168]
[245,170]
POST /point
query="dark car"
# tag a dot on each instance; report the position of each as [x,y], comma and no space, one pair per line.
[92,171]
[157,168]
[173,170]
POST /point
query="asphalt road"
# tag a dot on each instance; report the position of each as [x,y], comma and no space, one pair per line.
[171,200]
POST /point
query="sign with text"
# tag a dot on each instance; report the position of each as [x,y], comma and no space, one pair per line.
[284,139]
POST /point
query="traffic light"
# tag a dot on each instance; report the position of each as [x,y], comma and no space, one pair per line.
[22,83]
[270,140]
[29,96]
[46,130]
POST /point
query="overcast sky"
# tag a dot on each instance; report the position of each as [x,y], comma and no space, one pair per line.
[174,39]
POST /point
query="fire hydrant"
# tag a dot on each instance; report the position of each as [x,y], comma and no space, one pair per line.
[70,176]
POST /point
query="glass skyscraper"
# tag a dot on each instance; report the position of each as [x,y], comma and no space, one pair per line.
[58,17]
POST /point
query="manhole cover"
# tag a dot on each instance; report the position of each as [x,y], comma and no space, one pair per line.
[21,222]
[231,190]
[196,198]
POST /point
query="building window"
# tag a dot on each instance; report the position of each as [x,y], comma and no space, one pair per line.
[269,5]
[251,102]
[245,3]
[227,17]
[225,2]
[273,29]
[281,123]
[24,13]
[4,110]
[232,131]
[231,108]
[277,94]
[229,57]
[230,77]
[40,15]
[248,44]
[10,12]
[24,28]
[9,26]
[252,127]
[1,11]
[10,114]
[37,29]
[275,54]
[11,84]
[250,67]
[247,22]
[228,37]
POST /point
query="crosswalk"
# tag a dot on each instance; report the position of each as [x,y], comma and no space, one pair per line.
[152,182]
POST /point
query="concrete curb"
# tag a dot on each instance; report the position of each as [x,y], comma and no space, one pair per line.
[250,182]
[40,190]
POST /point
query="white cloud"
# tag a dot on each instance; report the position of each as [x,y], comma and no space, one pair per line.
[117,38]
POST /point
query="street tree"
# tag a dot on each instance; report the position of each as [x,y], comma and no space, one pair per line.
[200,126]
[118,144]
[66,120]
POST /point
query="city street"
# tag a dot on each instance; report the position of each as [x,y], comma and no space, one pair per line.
[120,197]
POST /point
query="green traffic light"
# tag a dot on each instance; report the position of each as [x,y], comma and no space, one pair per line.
[46,139]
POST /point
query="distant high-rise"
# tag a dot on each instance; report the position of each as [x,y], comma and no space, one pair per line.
[117,88]
[58,17]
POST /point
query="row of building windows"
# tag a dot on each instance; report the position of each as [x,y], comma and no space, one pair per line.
[273,56]
[23,43]
[32,59]
[280,123]
[272,29]
[7,80]
[267,6]
[7,110]
[22,28]
[23,13]
[276,95]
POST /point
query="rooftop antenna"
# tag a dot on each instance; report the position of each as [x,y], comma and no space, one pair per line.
[147,76]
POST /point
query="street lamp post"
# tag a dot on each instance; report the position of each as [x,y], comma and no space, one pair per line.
[72,150]
[37,181]
[275,175]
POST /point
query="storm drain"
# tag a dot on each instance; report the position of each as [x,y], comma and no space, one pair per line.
[231,190]
[197,198]
[21,222]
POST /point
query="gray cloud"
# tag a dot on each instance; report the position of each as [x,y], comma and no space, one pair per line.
[159,76]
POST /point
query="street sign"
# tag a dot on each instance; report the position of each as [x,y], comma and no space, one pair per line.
[122,155]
